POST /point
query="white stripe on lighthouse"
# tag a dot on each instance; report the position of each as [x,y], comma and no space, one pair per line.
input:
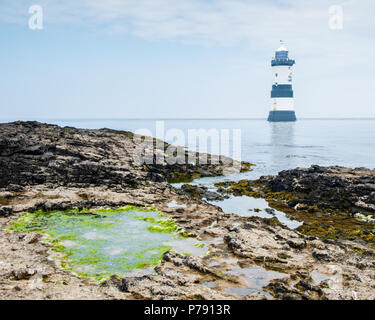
[282,104]
[282,75]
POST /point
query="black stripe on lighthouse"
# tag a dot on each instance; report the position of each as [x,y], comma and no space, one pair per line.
[282,91]
[281,115]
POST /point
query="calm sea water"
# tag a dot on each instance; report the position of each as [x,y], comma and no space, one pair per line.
[275,146]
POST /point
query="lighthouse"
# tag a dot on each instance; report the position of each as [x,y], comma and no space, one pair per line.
[282,100]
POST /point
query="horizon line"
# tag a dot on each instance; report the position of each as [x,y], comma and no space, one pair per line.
[174,118]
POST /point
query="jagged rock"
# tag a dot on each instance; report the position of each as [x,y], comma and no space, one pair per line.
[23,273]
[67,156]
[270,211]
[5,210]
[321,255]
[329,187]
[201,192]
[32,238]
[296,243]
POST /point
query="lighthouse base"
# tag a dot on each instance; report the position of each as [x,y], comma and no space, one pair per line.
[281,115]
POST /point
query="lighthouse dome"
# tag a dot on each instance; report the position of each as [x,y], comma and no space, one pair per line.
[281,52]
[282,48]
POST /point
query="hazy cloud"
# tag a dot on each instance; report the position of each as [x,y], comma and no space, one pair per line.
[211,22]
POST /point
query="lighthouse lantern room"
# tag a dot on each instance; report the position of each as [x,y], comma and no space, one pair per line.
[282,100]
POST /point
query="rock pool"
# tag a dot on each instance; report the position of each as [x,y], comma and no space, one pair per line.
[244,205]
[101,243]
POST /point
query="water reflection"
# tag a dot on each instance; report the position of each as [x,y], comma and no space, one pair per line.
[282,133]
[248,206]
[283,151]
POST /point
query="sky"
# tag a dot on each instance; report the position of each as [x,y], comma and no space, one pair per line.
[183,58]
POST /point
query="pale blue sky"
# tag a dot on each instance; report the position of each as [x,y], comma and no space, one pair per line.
[182,58]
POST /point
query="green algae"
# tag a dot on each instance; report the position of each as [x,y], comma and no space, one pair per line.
[332,224]
[182,177]
[103,242]
[246,166]
[328,224]
[121,132]
[199,244]
[179,176]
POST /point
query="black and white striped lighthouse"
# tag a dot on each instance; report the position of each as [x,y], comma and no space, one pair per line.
[282,100]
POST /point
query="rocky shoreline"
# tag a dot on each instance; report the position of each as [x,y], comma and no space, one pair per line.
[46,167]
[333,202]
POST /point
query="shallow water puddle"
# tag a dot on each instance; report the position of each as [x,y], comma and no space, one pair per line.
[174,204]
[255,278]
[248,206]
[252,279]
[102,243]
[209,284]
[319,277]
[331,274]
[243,206]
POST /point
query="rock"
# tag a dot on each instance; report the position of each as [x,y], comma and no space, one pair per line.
[255,296]
[32,238]
[23,273]
[327,187]
[6,210]
[292,203]
[318,244]
[297,243]
[321,255]
[193,190]
[214,196]
[35,153]
[270,211]
[365,218]
[300,206]
[128,283]
[114,281]
[201,192]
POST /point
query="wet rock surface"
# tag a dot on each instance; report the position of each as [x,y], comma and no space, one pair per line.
[52,168]
[202,192]
[333,202]
[336,188]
